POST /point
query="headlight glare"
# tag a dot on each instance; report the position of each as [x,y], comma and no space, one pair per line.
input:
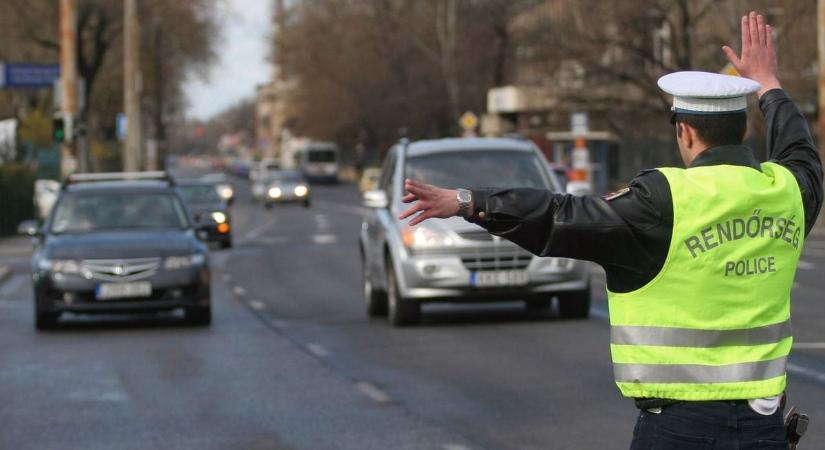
[275,192]
[184,261]
[218,217]
[301,190]
[422,237]
[225,191]
[64,266]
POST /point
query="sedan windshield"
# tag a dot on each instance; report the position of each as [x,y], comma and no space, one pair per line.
[82,213]
[199,193]
[479,168]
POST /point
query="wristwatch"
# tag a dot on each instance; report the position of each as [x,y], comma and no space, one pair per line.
[465,199]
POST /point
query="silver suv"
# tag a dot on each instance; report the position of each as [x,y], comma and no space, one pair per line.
[453,260]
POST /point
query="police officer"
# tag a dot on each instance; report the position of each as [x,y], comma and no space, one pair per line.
[699,261]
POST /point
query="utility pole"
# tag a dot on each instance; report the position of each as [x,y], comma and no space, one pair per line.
[133,153]
[68,84]
[160,125]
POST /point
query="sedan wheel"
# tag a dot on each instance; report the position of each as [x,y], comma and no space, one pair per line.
[401,311]
[376,300]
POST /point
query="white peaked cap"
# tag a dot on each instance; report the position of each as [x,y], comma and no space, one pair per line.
[707,93]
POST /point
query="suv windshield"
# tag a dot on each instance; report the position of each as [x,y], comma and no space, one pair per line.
[479,168]
[321,156]
[199,193]
[82,213]
[292,176]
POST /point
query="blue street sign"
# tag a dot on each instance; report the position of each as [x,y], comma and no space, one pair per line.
[13,75]
[120,125]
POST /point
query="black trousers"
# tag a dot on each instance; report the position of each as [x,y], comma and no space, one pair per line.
[717,425]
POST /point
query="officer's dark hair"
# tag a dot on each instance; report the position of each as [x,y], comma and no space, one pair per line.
[715,129]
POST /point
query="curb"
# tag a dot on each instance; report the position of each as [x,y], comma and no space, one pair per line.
[4,273]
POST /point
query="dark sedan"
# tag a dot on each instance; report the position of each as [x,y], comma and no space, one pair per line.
[118,246]
[208,210]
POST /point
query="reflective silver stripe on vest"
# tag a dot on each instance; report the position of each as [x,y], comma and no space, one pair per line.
[687,337]
[699,373]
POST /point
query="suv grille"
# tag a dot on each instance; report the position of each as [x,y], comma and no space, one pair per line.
[509,259]
[120,269]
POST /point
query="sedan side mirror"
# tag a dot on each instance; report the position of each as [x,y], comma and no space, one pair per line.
[28,228]
[375,199]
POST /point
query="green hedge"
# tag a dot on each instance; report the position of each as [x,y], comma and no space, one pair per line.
[16,196]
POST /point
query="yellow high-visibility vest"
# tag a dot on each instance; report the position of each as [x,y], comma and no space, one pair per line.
[714,324]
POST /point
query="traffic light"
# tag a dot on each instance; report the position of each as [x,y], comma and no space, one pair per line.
[58,129]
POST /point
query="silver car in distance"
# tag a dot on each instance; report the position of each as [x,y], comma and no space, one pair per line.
[454,260]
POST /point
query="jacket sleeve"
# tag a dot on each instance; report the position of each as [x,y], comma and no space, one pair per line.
[790,144]
[609,231]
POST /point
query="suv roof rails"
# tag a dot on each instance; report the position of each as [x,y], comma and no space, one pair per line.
[158,175]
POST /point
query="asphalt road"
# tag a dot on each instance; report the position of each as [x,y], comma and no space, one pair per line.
[292,361]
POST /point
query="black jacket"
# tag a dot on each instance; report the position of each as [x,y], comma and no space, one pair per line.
[629,234]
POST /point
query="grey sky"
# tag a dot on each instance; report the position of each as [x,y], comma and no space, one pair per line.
[242,58]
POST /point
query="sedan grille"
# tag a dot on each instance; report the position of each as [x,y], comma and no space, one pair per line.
[120,269]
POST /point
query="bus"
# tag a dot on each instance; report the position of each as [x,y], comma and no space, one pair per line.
[318,161]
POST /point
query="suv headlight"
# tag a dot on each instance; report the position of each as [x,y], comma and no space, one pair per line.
[422,237]
[218,217]
[301,190]
[64,266]
[184,261]
[275,192]
[225,191]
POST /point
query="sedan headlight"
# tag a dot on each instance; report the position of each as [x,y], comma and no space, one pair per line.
[218,217]
[422,237]
[64,266]
[184,261]
[275,192]
[225,191]
[301,190]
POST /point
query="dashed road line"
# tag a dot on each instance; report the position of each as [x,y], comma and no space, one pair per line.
[257,231]
[317,350]
[239,291]
[372,392]
[257,305]
[324,239]
[803,371]
[455,447]
[809,345]
[805,265]
[12,285]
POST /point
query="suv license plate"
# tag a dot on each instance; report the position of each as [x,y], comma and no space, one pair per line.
[110,291]
[499,278]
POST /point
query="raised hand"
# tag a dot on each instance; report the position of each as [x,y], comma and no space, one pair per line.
[758,58]
[428,202]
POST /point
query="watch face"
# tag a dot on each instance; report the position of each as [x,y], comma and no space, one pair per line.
[464,196]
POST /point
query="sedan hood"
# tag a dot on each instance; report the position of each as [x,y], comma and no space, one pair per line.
[121,244]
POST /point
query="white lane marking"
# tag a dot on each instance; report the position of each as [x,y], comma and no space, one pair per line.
[274,240]
[257,305]
[455,447]
[239,291]
[805,265]
[317,350]
[796,369]
[372,392]
[324,239]
[809,345]
[257,231]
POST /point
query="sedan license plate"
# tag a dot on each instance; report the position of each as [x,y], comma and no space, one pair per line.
[499,278]
[111,291]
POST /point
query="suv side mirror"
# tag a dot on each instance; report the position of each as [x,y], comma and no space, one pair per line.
[375,199]
[28,228]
